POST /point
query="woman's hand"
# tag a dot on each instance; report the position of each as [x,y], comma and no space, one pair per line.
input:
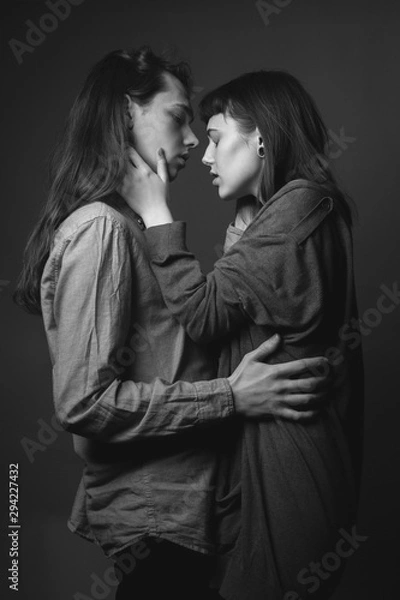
[145,191]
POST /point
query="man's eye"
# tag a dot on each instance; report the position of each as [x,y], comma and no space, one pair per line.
[179,118]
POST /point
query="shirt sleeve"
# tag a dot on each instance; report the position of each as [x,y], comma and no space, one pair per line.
[93,299]
[271,277]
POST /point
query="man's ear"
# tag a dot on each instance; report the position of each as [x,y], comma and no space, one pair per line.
[131,109]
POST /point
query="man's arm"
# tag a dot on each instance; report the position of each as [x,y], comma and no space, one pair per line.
[92,313]
[92,317]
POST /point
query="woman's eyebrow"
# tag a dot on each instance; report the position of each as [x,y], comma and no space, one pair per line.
[186,108]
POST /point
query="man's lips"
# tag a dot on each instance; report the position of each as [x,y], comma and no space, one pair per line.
[182,159]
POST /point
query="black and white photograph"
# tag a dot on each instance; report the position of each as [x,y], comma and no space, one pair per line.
[200,300]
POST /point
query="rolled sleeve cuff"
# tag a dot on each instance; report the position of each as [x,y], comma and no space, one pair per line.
[214,400]
[167,239]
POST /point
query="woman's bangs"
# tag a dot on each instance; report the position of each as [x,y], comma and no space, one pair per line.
[214,103]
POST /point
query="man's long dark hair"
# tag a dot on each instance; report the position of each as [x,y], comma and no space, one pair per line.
[91,158]
[295,138]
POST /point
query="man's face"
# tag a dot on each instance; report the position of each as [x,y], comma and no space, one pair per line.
[165,123]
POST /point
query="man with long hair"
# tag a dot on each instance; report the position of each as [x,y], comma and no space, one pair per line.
[139,396]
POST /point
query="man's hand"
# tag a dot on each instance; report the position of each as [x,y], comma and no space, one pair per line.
[279,390]
[145,191]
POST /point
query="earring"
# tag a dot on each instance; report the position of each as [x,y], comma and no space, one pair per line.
[261,151]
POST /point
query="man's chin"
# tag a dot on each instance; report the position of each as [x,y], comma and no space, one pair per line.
[173,173]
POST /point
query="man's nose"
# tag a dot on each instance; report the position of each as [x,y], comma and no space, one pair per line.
[191,140]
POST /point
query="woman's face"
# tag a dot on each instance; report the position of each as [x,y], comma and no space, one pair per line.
[164,123]
[232,157]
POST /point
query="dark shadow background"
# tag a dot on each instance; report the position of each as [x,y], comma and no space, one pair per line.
[347,53]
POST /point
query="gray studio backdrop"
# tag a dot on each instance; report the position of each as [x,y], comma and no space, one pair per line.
[347,54]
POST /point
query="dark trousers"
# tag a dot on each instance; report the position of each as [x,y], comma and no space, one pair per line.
[164,570]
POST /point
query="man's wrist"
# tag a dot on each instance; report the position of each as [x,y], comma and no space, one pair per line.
[214,400]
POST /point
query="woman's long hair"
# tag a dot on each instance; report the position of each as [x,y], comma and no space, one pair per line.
[295,138]
[91,159]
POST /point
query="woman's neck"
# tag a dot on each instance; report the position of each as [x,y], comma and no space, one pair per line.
[246,210]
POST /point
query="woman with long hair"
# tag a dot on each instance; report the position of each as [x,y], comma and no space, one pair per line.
[287,496]
[139,396]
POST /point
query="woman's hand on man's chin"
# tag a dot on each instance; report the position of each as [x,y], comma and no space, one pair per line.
[145,191]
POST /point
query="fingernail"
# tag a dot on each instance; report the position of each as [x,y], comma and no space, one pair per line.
[161,152]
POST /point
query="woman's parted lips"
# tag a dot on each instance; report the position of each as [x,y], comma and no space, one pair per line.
[215,177]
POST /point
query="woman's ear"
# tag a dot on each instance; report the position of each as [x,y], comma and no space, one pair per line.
[257,139]
[259,144]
